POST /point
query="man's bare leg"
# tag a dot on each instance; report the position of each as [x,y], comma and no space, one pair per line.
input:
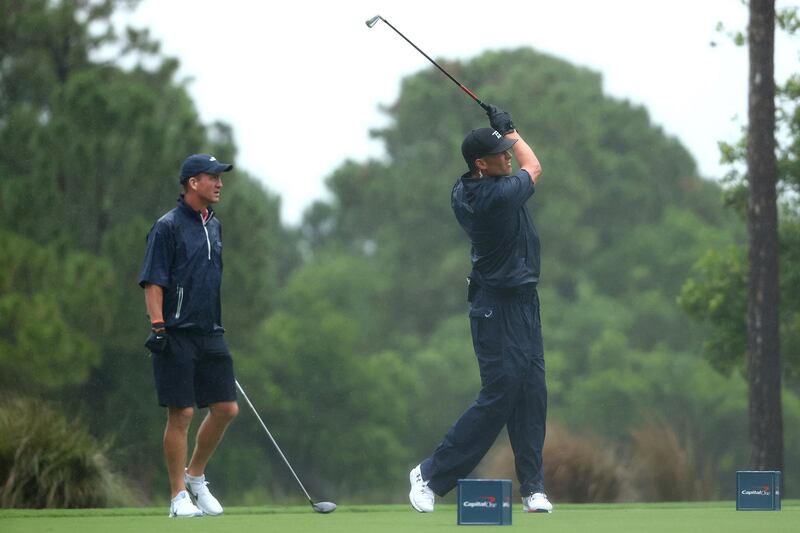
[176,445]
[209,435]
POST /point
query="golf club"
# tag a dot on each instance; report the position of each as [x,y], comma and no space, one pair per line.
[374,20]
[320,507]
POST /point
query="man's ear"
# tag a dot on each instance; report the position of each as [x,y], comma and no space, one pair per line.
[480,164]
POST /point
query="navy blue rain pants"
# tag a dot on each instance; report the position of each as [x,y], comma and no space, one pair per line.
[507,337]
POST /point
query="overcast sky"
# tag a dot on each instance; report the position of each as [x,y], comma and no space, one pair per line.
[301,82]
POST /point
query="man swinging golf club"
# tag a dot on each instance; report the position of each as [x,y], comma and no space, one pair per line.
[489,203]
[181,278]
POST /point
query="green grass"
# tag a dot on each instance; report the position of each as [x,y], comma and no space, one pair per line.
[705,517]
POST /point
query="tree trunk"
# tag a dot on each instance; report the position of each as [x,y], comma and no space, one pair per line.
[763,336]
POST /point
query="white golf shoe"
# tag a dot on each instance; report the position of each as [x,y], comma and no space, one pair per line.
[537,503]
[198,488]
[421,496]
[181,506]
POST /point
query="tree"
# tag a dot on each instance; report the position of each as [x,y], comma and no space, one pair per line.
[53,311]
[763,307]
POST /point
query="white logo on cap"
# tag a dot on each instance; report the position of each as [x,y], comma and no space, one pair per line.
[212,158]
[497,134]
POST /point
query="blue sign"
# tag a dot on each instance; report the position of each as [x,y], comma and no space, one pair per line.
[758,490]
[484,502]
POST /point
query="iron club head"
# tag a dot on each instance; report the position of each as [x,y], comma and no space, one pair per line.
[324,507]
[374,20]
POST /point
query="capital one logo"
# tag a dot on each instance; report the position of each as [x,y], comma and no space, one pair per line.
[763,491]
[489,502]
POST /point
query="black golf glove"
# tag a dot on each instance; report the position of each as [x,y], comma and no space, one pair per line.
[157,340]
[499,119]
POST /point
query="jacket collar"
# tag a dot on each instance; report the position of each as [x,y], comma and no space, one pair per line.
[186,208]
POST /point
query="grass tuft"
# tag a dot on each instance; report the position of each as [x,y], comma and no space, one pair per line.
[577,469]
[47,461]
[667,469]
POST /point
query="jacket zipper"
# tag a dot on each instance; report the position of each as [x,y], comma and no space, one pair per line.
[208,241]
[180,302]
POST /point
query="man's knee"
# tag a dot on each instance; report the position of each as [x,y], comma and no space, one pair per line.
[224,410]
[179,418]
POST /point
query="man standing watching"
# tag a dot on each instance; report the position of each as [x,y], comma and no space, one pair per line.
[181,278]
[489,203]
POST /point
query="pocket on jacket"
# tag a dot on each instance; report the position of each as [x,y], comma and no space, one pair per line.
[180,303]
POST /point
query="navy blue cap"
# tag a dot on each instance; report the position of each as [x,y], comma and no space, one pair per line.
[197,163]
[483,141]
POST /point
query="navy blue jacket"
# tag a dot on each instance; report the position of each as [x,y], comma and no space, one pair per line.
[184,256]
[505,245]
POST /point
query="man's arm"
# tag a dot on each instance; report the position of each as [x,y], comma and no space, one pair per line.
[525,157]
[154,300]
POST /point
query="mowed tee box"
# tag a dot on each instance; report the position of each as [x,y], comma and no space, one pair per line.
[758,490]
[484,502]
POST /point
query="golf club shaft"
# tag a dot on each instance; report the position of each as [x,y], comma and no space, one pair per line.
[263,425]
[463,88]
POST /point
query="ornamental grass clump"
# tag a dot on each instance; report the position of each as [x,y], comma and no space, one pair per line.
[667,468]
[48,461]
[577,468]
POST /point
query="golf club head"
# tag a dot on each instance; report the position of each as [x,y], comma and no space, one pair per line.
[324,507]
[374,20]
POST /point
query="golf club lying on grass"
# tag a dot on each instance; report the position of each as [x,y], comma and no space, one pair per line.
[374,20]
[320,507]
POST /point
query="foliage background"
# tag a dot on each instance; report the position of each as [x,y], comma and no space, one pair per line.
[349,331]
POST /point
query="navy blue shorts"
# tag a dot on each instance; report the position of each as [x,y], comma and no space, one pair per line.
[195,369]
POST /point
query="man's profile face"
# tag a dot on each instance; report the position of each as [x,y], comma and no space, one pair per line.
[207,186]
[496,164]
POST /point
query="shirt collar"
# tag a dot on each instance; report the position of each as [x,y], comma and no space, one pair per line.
[188,209]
